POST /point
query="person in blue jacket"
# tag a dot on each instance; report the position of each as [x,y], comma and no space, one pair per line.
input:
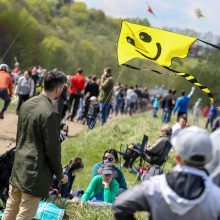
[182,103]
[211,115]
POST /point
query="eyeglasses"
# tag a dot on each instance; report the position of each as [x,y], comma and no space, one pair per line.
[108,158]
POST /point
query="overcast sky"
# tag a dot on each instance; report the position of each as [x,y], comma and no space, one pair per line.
[169,13]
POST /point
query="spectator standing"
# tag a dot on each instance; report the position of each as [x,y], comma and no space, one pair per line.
[211,115]
[205,111]
[144,99]
[155,105]
[93,112]
[77,84]
[182,103]
[38,152]
[24,89]
[119,97]
[186,192]
[196,111]
[105,94]
[131,100]
[167,106]
[35,77]
[91,89]
[60,104]
[16,72]
[5,88]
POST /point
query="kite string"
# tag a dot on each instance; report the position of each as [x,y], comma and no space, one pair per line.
[85,138]
[19,33]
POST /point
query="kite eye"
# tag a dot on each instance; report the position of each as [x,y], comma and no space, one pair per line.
[130,41]
[145,37]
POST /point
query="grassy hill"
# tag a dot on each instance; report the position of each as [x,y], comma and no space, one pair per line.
[90,145]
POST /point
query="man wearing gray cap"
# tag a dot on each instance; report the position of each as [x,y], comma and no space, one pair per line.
[186,192]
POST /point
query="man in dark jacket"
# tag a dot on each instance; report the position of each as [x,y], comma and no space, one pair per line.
[105,95]
[38,152]
[167,106]
[186,192]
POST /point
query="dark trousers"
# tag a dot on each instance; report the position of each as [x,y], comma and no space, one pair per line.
[166,115]
[209,121]
[91,121]
[6,97]
[76,99]
[104,106]
[21,100]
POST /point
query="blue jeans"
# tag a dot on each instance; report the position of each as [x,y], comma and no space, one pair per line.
[91,122]
[154,112]
[104,107]
[166,115]
[6,97]
[118,103]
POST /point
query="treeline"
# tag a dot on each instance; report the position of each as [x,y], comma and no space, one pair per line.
[72,36]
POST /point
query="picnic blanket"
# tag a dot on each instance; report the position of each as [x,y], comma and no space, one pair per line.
[49,211]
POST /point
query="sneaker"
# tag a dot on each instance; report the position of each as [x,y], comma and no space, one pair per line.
[1,115]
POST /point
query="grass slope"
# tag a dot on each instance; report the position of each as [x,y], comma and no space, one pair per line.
[90,145]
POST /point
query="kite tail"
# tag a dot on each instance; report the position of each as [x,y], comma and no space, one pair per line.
[194,81]
[186,76]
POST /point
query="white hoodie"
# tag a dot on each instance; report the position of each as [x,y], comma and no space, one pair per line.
[163,203]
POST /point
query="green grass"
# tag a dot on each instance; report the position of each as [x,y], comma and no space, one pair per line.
[90,145]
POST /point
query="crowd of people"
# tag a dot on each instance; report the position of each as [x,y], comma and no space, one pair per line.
[185,192]
[86,99]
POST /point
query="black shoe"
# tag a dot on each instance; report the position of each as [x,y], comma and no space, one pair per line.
[1,115]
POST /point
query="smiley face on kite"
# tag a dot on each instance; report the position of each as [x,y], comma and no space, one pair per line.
[159,46]
[146,38]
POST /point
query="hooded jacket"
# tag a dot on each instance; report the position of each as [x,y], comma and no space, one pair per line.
[184,193]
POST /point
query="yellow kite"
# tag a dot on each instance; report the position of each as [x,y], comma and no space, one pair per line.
[138,41]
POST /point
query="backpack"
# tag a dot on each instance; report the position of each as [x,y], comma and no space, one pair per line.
[152,171]
[6,163]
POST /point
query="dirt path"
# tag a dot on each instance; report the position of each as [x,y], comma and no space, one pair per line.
[8,129]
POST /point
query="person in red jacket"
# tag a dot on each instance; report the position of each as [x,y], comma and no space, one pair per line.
[77,84]
[5,88]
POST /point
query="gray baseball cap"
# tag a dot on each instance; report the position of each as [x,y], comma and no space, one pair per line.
[193,145]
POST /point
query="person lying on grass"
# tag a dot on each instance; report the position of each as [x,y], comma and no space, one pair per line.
[111,156]
[103,188]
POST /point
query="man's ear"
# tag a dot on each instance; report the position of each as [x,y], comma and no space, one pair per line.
[178,159]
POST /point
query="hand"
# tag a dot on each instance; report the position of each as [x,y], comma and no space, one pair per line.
[81,204]
[64,180]
[105,184]
[104,76]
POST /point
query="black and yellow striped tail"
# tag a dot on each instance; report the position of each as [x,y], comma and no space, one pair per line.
[194,81]
[186,76]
